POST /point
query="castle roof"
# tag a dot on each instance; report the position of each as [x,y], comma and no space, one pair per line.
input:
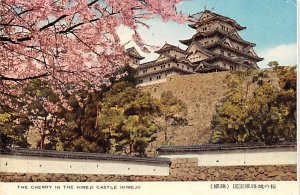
[168,47]
[134,53]
[220,44]
[224,147]
[215,16]
[79,155]
[202,49]
[216,31]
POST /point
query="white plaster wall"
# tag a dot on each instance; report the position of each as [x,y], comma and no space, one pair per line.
[147,82]
[178,54]
[240,157]
[211,26]
[27,164]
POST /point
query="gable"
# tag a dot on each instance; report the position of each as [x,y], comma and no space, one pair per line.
[236,35]
[228,43]
[166,45]
[250,51]
[196,47]
[205,16]
[162,57]
[134,52]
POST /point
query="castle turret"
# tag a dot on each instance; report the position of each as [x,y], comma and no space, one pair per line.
[134,57]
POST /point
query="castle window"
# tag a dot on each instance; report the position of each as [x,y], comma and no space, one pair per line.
[222,52]
[155,68]
[145,71]
[140,81]
[237,47]
[232,67]
[169,65]
[150,79]
[229,54]
[166,75]
[177,65]
[158,77]
[188,68]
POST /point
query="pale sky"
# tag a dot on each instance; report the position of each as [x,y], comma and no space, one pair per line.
[271,24]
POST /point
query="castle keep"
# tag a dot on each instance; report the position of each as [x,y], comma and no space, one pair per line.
[216,46]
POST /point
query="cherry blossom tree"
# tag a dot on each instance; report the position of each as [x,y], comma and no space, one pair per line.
[71,44]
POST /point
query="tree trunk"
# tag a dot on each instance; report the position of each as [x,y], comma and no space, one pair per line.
[130,149]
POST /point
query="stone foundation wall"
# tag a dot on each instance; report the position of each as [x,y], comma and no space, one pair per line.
[180,170]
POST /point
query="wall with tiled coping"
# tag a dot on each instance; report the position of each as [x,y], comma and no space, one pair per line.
[36,164]
[184,169]
[253,157]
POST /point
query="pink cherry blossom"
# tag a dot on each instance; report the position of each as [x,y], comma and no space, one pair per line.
[68,43]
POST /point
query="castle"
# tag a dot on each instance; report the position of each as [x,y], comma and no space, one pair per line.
[216,46]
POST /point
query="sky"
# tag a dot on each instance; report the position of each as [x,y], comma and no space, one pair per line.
[271,24]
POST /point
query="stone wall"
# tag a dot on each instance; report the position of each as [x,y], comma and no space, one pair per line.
[200,92]
[180,170]
[187,170]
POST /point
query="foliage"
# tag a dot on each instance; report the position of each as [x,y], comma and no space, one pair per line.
[174,112]
[72,45]
[120,119]
[127,118]
[13,134]
[172,108]
[267,115]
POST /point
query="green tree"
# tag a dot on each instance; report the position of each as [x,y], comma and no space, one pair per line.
[174,111]
[127,118]
[266,115]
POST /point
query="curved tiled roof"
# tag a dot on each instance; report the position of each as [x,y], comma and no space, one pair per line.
[222,147]
[79,155]
[221,32]
[219,17]
[134,53]
[168,46]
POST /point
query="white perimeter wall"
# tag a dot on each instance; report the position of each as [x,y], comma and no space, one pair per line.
[28,164]
[241,157]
